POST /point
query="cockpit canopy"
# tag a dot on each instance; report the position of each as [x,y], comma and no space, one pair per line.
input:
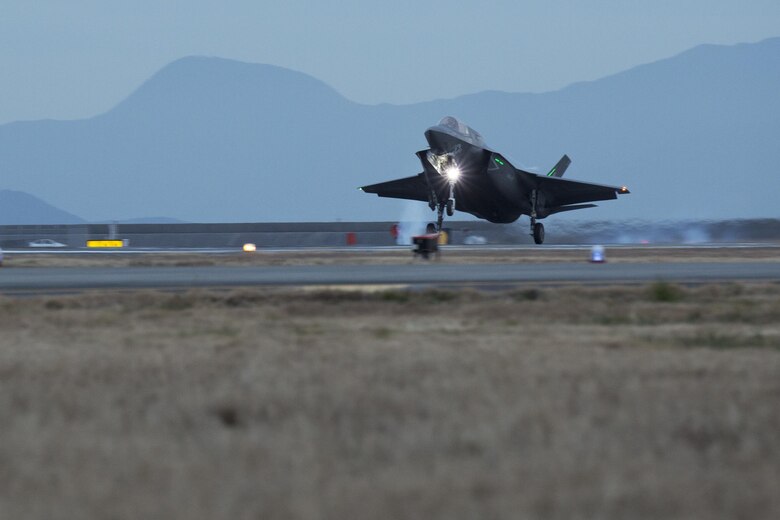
[463,130]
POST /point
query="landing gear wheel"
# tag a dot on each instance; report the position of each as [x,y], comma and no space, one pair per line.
[538,230]
[450,207]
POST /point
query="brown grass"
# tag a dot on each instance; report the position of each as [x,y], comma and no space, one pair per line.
[619,402]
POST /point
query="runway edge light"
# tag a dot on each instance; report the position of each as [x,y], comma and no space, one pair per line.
[598,255]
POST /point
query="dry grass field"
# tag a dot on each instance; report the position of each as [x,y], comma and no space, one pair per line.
[628,402]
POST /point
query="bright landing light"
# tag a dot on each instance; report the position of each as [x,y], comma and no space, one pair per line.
[453,173]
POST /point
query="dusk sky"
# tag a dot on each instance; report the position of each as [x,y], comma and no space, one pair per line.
[75,59]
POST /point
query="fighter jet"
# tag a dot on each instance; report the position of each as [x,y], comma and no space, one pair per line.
[461,171]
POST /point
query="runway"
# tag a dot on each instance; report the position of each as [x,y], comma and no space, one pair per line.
[413,274]
[368,249]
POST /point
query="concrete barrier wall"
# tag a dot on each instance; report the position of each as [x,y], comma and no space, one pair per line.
[295,234]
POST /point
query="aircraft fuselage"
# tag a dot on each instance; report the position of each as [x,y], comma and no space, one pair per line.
[481,189]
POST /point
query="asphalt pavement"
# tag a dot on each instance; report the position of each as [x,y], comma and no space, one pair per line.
[433,273]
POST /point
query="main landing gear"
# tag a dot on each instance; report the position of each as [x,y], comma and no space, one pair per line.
[537,228]
[537,231]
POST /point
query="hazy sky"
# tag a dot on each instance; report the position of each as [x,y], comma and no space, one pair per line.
[69,59]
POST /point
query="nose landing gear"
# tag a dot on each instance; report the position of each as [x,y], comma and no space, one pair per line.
[440,217]
[449,206]
[451,200]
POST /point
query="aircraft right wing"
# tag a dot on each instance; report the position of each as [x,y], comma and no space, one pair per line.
[563,192]
[411,188]
[558,194]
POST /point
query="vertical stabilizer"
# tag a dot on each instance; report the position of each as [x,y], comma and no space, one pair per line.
[559,169]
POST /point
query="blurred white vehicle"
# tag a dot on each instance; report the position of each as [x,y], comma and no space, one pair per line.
[45,242]
[475,240]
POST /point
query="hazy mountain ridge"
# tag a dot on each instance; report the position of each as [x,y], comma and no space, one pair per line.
[18,208]
[207,139]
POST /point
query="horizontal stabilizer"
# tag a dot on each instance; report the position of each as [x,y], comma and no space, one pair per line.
[561,209]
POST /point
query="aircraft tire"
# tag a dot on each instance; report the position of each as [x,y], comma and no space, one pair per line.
[538,233]
[450,207]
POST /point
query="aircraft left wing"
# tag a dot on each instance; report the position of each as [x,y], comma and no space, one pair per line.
[412,188]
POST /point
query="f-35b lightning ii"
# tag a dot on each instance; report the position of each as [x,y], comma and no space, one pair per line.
[459,166]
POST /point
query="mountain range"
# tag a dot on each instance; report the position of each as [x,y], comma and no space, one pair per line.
[19,208]
[209,139]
